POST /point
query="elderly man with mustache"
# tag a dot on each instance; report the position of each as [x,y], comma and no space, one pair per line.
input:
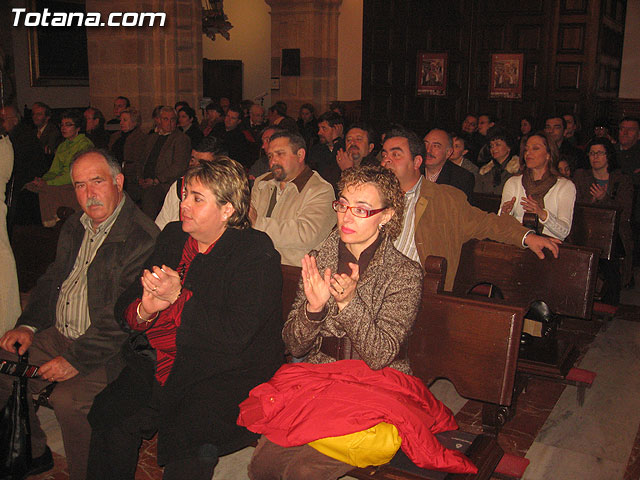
[69,327]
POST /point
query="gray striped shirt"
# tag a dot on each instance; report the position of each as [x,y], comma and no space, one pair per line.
[72,309]
[406,242]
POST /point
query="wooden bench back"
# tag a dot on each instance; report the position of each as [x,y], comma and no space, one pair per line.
[595,227]
[566,284]
[592,226]
[472,343]
[290,280]
[488,202]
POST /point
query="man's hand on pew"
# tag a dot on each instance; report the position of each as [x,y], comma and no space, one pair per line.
[538,243]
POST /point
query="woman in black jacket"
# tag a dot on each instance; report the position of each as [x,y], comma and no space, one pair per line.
[204,323]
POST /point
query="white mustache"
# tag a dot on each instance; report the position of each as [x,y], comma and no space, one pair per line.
[91,202]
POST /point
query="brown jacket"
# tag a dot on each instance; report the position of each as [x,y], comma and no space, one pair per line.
[379,319]
[445,221]
[173,159]
[134,152]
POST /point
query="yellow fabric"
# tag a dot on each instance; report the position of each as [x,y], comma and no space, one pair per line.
[374,446]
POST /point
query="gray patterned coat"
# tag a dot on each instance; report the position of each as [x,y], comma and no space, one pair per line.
[378,320]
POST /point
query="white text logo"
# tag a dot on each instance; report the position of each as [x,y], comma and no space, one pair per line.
[90,19]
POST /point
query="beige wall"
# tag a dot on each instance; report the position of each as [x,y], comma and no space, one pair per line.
[629,84]
[55,97]
[250,42]
[350,50]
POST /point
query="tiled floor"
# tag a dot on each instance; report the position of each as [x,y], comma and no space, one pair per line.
[599,441]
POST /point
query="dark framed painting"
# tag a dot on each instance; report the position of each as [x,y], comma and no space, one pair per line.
[431,69]
[58,55]
[506,76]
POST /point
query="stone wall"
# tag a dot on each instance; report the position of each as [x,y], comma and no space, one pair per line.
[311,26]
[149,65]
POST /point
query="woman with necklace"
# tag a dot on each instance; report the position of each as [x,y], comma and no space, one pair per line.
[540,189]
[204,326]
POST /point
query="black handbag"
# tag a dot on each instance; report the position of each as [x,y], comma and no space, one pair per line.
[15,430]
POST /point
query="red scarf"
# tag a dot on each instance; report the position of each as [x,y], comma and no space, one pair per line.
[162,336]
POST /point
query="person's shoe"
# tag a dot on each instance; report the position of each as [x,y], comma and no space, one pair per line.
[41,464]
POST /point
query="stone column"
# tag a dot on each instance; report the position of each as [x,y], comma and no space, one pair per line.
[149,65]
[311,26]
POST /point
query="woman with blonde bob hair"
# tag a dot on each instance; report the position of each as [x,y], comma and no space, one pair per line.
[358,299]
[204,322]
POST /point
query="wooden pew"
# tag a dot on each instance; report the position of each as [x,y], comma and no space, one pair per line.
[592,226]
[566,284]
[488,202]
[595,227]
[290,280]
[472,343]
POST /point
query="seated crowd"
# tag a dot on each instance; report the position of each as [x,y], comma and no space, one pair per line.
[162,310]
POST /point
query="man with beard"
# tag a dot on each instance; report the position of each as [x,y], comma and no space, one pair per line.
[359,143]
[322,156]
[291,203]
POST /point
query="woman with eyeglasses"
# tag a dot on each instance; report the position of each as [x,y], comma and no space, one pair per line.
[540,189]
[55,187]
[605,185]
[358,299]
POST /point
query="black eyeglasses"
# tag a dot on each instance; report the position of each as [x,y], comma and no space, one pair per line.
[356,211]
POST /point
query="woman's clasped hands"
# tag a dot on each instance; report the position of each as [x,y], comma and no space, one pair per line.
[318,288]
[161,287]
[529,205]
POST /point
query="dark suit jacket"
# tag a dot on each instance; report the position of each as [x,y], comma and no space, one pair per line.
[173,159]
[134,152]
[117,263]
[29,159]
[452,174]
[50,138]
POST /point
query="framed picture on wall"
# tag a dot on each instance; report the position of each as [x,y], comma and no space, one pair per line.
[431,69]
[506,76]
[58,56]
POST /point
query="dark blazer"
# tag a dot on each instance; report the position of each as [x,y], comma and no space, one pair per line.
[229,341]
[50,138]
[134,151]
[195,135]
[173,159]
[462,179]
[117,263]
